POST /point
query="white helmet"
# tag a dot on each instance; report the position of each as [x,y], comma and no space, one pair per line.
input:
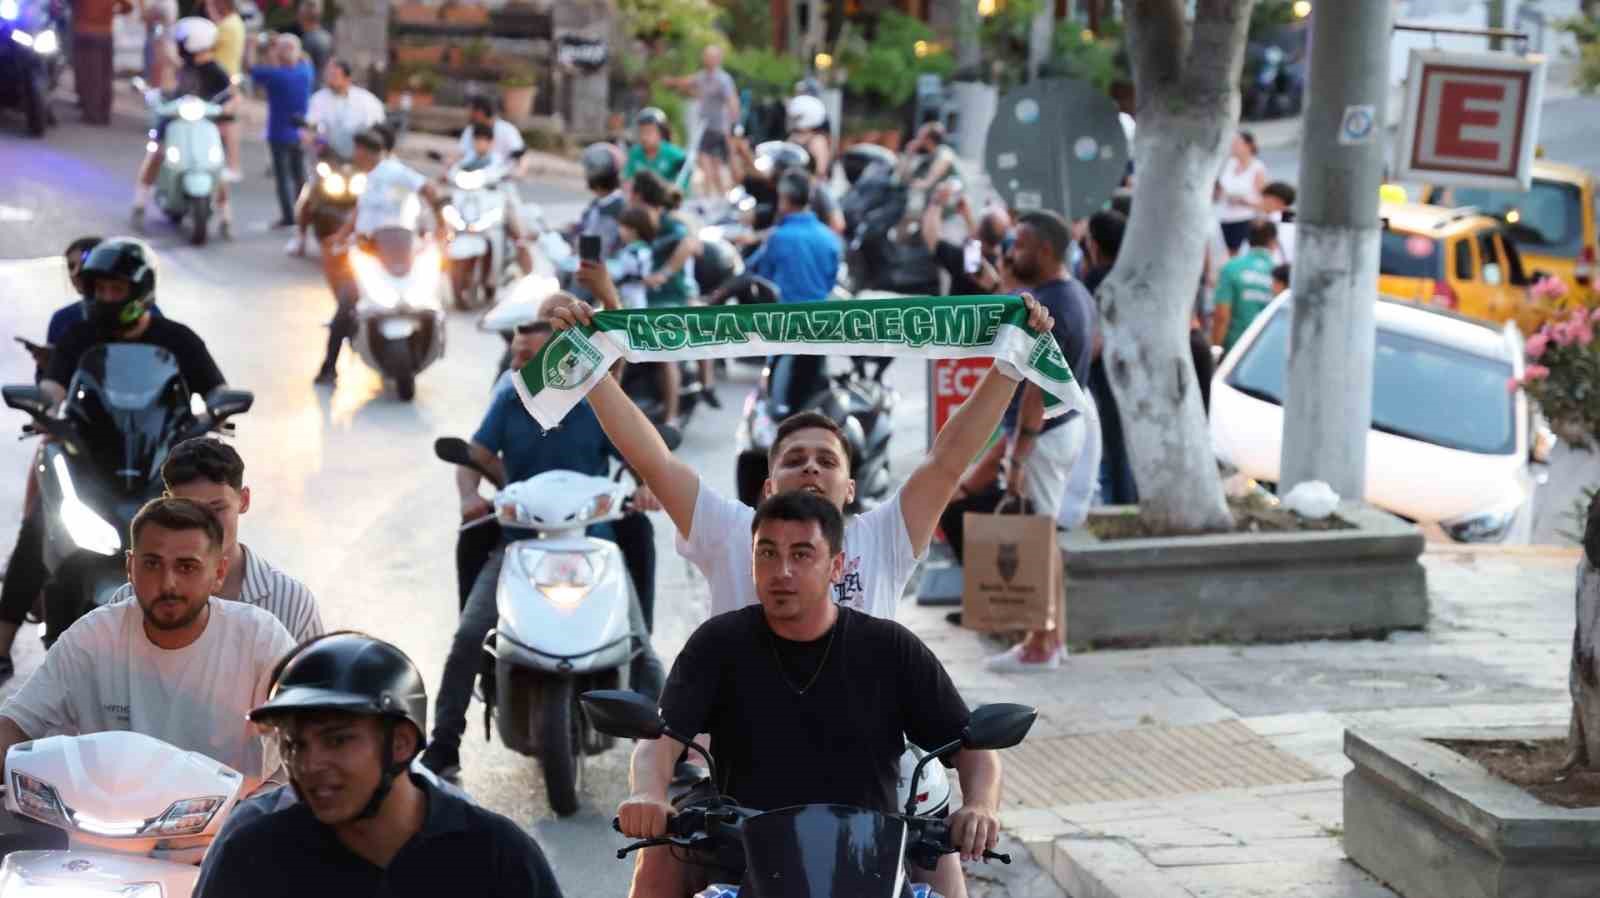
[806,113]
[195,34]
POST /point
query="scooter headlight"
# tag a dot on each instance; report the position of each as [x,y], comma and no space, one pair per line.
[45,43]
[10,9]
[422,288]
[186,818]
[88,530]
[469,180]
[375,283]
[358,184]
[324,169]
[173,156]
[37,799]
[191,109]
[333,184]
[564,578]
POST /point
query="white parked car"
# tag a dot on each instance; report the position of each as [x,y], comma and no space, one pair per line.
[1451,444]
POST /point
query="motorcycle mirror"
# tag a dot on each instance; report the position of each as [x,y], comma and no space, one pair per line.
[26,398]
[998,726]
[624,714]
[455,451]
[225,403]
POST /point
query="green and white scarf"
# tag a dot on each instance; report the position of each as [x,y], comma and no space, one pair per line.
[935,327]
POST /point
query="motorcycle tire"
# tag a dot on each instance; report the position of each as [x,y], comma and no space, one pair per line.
[561,745]
[397,364]
[199,219]
[464,283]
[37,107]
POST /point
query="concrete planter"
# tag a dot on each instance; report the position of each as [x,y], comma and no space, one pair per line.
[1246,587]
[1433,824]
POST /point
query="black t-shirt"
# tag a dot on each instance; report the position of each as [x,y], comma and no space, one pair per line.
[1074,310]
[205,80]
[462,850]
[952,257]
[840,742]
[199,370]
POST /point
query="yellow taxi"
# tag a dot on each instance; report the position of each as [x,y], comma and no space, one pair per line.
[1553,221]
[1456,259]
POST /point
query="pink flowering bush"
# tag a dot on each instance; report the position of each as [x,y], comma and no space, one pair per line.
[1563,370]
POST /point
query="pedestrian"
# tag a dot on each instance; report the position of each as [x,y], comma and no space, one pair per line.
[315,41]
[287,77]
[230,55]
[160,50]
[1102,242]
[973,265]
[1277,202]
[1238,190]
[1244,288]
[719,112]
[92,57]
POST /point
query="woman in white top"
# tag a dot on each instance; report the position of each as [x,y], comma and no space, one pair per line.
[1238,190]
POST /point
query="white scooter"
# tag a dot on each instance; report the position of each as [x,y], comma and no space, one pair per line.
[138,813]
[482,258]
[564,625]
[190,177]
[400,318]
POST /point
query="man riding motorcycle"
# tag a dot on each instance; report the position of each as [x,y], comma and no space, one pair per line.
[174,663]
[780,689]
[652,149]
[513,445]
[602,171]
[507,142]
[349,713]
[202,77]
[882,547]
[336,114]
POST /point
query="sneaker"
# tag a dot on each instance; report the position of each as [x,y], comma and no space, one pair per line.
[444,761]
[1010,661]
[296,246]
[710,396]
[138,216]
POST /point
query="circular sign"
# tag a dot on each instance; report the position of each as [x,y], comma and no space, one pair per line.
[1085,148]
[1057,144]
[1027,110]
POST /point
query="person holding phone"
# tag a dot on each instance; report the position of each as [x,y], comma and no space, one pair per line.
[973,264]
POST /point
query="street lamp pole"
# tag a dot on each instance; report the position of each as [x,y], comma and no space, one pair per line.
[1328,407]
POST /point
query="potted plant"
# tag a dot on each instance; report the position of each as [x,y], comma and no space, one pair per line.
[475,52]
[457,12]
[414,55]
[416,13]
[517,89]
[418,81]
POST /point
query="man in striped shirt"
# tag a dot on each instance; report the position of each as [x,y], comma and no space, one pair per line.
[210,472]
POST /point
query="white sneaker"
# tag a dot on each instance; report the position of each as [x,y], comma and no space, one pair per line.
[296,246]
[1010,661]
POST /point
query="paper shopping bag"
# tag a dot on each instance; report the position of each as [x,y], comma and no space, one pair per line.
[1011,574]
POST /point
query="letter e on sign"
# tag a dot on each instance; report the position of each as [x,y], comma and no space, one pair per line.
[1471,120]
[951,381]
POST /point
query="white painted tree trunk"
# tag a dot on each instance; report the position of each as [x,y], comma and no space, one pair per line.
[1188,107]
[1583,675]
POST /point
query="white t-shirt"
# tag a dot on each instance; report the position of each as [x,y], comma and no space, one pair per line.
[1285,254]
[105,674]
[878,559]
[343,117]
[391,185]
[1239,181]
[507,140]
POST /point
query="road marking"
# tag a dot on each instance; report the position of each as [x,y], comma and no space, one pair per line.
[15,213]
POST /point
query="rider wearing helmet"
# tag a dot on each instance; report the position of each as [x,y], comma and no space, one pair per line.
[119,277]
[773,160]
[350,714]
[202,77]
[808,127]
[602,169]
[653,147]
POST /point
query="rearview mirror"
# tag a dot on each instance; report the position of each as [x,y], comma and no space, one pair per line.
[624,714]
[993,727]
[26,398]
[225,403]
[456,451]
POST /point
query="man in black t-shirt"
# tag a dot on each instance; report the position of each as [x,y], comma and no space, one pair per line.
[806,701]
[120,277]
[971,273]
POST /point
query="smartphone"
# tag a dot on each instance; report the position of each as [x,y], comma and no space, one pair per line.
[972,256]
[30,345]
[589,247]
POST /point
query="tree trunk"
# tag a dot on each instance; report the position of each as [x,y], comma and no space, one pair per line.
[1187,86]
[1583,674]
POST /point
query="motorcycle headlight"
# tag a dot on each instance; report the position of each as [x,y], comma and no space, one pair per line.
[88,530]
[10,9]
[324,169]
[191,109]
[422,289]
[18,884]
[1487,527]
[358,184]
[22,37]
[469,180]
[564,578]
[173,156]
[45,43]
[333,184]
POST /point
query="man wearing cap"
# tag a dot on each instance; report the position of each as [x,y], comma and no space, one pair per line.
[350,713]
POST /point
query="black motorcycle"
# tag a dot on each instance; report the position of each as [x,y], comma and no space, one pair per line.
[30,60]
[873,207]
[807,851]
[861,403]
[126,407]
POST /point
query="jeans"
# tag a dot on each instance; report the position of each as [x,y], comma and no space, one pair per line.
[461,666]
[289,170]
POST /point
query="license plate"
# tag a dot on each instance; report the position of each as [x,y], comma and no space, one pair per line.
[467,246]
[397,328]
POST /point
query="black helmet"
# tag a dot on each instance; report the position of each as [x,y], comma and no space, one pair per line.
[651,115]
[126,258]
[602,166]
[354,673]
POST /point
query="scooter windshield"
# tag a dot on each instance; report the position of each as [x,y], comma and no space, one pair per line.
[395,248]
[126,399]
[824,851]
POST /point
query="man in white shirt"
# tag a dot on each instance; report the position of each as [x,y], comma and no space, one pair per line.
[392,198]
[507,148]
[1277,201]
[336,114]
[176,664]
[210,472]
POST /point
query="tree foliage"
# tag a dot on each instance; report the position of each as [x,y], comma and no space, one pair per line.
[882,64]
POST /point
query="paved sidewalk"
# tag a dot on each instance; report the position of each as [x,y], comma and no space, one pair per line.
[1214,770]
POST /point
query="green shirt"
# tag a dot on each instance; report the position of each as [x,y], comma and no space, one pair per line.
[667,163]
[675,292]
[1245,285]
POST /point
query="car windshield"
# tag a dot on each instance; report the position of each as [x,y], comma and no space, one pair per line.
[1409,255]
[1421,390]
[1548,218]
